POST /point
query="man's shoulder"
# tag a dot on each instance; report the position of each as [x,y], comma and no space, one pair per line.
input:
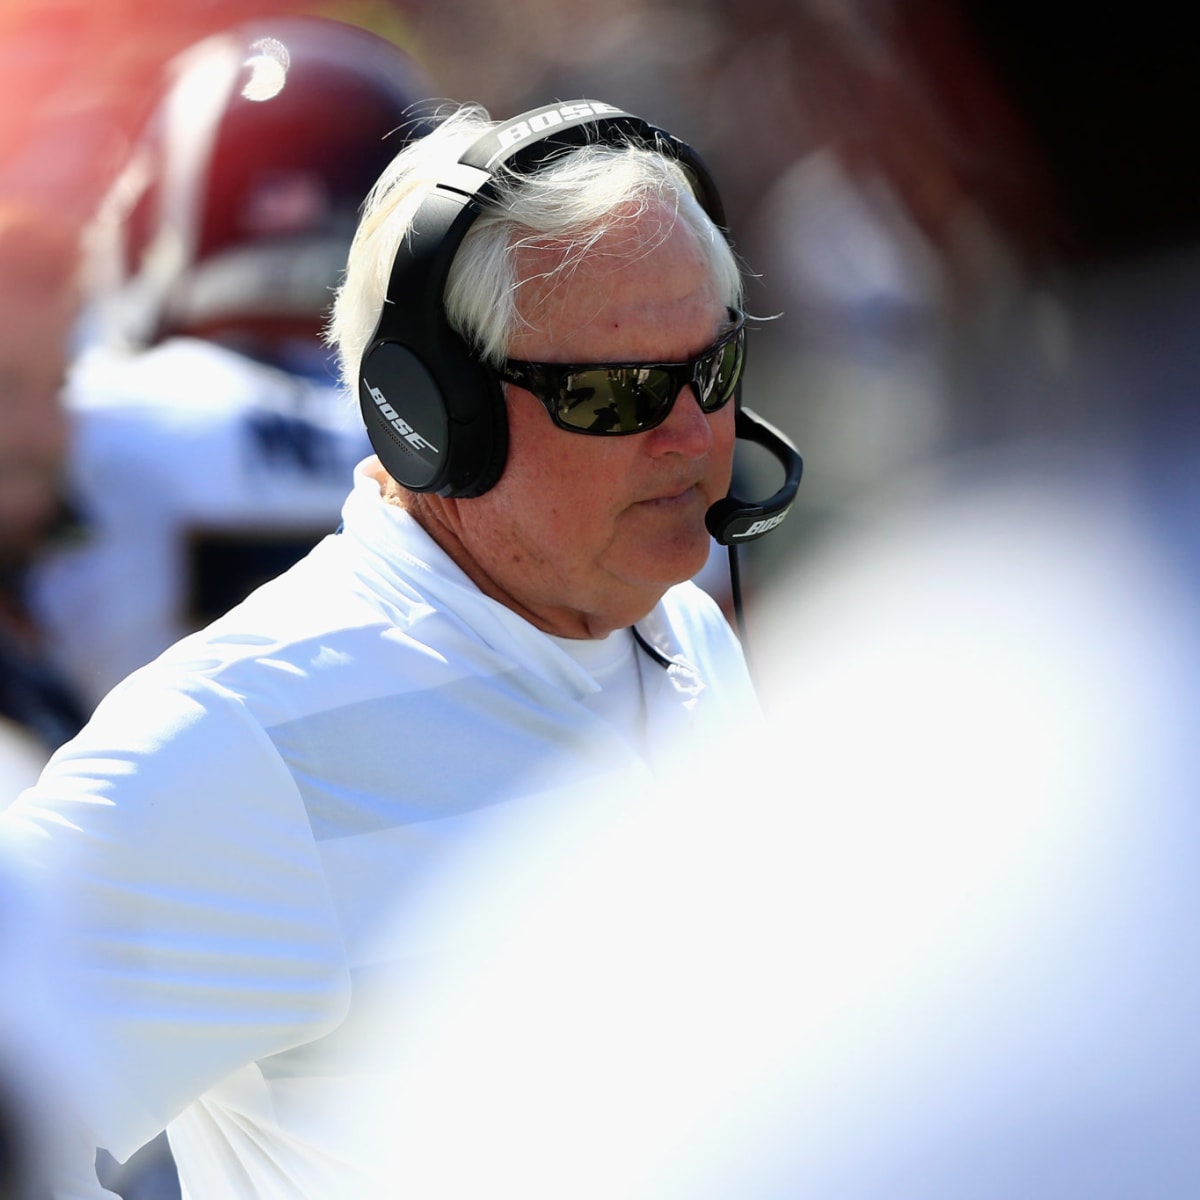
[321,632]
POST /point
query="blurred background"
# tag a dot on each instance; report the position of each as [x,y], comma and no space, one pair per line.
[877,185]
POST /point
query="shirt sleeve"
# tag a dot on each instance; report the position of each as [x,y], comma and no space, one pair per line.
[199,931]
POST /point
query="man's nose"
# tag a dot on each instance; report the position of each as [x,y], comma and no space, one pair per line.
[687,429]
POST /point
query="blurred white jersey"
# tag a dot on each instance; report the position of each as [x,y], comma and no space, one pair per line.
[201,473]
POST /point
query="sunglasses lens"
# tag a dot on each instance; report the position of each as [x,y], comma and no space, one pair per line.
[717,376]
[630,399]
[623,400]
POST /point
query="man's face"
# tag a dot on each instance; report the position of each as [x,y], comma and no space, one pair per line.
[33,427]
[583,534]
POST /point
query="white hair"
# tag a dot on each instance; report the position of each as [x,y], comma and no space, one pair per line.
[570,203]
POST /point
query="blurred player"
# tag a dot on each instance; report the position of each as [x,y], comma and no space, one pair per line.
[212,445]
[38,301]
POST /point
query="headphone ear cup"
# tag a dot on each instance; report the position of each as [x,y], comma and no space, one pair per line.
[487,440]
[405,418]
[424,442]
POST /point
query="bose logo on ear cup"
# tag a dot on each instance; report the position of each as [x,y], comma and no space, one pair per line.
[397,422]
[761,527]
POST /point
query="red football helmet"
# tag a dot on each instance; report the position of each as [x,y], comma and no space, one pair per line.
[239,201]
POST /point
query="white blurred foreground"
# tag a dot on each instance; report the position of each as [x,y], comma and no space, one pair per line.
[929,934]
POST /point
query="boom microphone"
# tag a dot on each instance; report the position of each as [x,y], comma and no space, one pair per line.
[732,521]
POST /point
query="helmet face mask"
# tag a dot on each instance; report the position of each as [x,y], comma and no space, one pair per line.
[238,205]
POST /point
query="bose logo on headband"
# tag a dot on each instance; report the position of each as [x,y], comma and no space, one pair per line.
[539,123]
[397,422]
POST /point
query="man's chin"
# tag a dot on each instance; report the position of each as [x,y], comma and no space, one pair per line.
[677,562]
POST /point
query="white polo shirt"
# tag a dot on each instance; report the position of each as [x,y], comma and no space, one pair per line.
[241,814]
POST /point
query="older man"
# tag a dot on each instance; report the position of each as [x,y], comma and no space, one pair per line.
[503,619]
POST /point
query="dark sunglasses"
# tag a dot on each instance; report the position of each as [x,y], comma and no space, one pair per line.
[611,399]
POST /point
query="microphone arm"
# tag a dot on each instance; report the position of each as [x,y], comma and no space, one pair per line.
[733,520]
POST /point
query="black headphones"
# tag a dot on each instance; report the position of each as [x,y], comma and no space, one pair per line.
[434,413]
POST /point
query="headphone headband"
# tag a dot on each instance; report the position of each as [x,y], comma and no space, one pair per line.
[529,142]
[543,126]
